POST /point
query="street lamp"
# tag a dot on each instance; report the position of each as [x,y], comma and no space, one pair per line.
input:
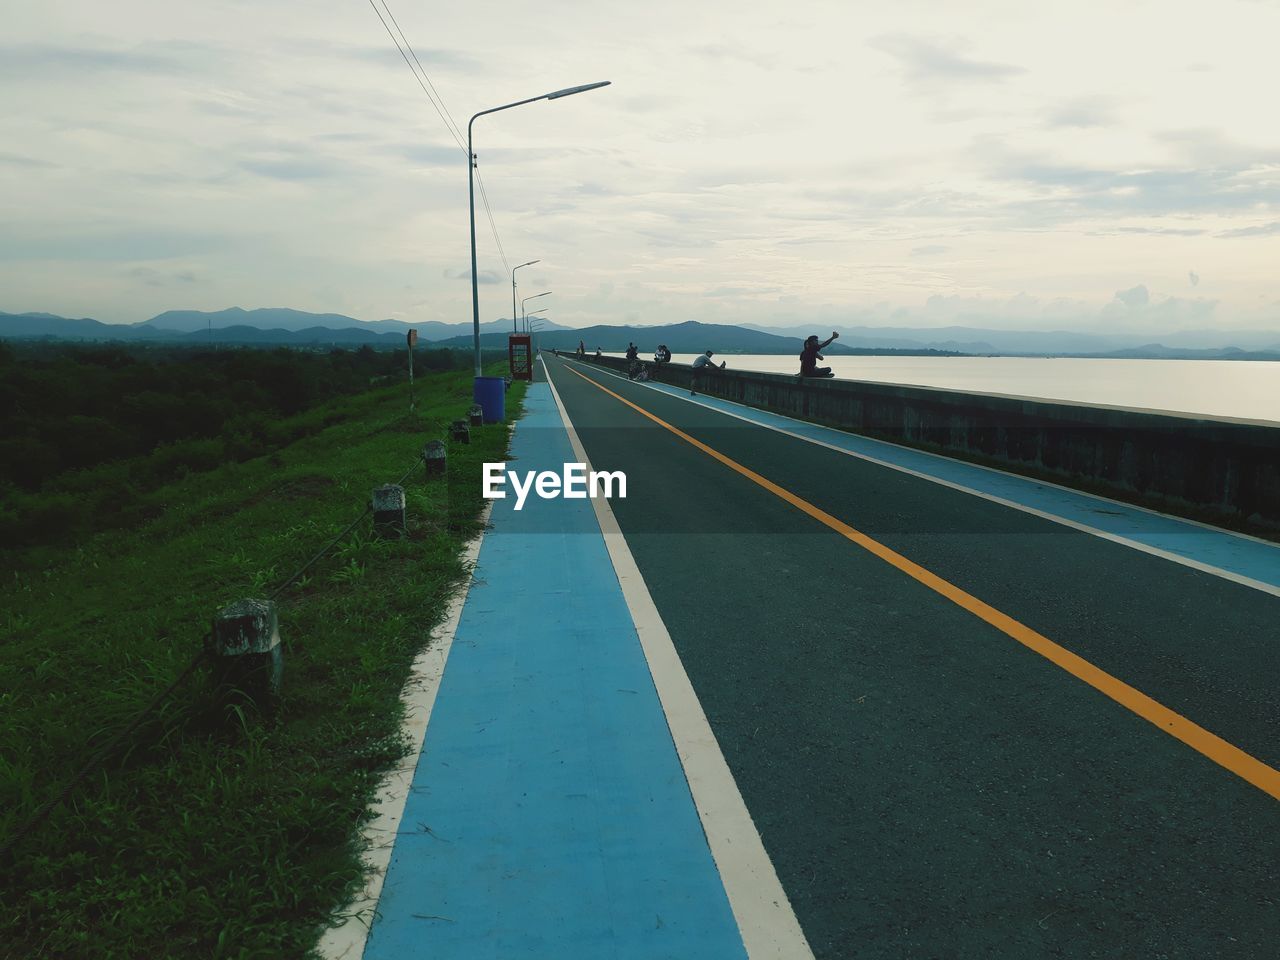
[471,192]
[526,300]
[536,325]
[514,328]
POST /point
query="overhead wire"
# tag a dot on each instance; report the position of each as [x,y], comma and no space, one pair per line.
[424,81]
[485,197]
[439,106]
[453,124]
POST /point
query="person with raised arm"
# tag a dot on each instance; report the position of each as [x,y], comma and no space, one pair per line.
[810,356]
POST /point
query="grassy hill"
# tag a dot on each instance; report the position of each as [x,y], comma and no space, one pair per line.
[221,832]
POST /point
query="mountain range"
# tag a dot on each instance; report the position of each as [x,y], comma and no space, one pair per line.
[282,318]
[282,326]
[977,340]
[687,337]
[236,325]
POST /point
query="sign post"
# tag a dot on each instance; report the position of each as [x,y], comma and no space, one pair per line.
[412,337]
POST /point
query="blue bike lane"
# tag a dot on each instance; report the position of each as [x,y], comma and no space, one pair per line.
[549,815]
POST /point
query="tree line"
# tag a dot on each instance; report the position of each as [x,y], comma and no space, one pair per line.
[100,423]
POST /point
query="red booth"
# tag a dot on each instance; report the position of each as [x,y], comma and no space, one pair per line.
[520,353]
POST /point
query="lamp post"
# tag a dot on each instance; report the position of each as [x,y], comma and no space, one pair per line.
[514,328]
[526,300]
[535,326]
[471,193]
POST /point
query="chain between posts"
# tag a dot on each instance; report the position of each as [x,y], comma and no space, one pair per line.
[106,752]
[368,508]
[100,757]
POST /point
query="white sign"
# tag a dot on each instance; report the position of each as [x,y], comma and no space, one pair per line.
[574,482]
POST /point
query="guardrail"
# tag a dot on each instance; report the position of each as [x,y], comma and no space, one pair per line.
[1224,469]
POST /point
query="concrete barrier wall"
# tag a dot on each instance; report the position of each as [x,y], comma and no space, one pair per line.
[1223,468]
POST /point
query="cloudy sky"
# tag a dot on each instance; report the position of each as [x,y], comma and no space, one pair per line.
[1092,165]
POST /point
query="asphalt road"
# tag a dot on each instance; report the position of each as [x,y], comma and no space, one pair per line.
[925,785]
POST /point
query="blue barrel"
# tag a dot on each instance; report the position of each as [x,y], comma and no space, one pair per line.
[491,394]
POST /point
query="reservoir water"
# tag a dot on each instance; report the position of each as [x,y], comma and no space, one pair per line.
[1240,389]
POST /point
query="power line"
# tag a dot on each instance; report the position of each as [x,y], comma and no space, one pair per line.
[462,146]
[456,130]
[446,117]
[485,197]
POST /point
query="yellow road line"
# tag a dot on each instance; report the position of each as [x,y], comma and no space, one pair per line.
[1221,752]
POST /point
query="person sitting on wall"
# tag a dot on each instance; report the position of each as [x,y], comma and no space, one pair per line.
[662,355]
[810,356]
[701,365]
[599,352]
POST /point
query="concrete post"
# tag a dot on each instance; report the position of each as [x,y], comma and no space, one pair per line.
[433,455]
[247,654]
[388,511]
[460,431]
[476,413]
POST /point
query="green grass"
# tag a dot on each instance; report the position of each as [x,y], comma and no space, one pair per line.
[222,831]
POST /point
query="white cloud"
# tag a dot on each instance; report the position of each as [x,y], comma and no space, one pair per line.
[1134,296]
[928,61]
[482,277]
[1259,230]
[1082,112]
[831,162]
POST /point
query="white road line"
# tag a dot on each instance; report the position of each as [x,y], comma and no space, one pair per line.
[765,919]
[347,942]
[1013,504]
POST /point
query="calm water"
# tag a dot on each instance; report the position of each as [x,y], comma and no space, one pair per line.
[1245,389]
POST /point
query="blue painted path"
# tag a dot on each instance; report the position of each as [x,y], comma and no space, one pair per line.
[1234,553]
[549,815]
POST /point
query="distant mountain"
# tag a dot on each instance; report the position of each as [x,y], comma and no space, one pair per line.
[434,330]
[28,326]
[886,338]
[272,318]
[688,337]
[982,341]
[299,327]
[48,325]
[1158,351]
[176,325]
[282,318]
